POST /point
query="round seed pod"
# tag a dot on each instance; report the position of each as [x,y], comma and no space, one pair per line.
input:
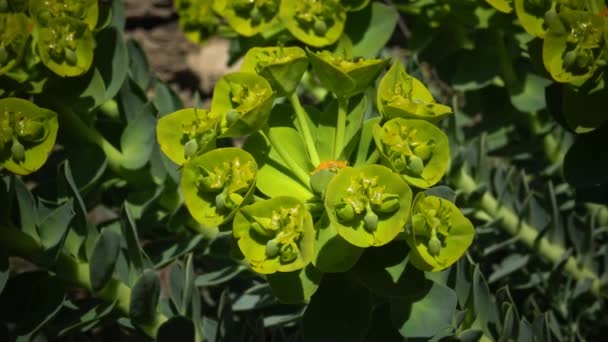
[18,151]
[190,148]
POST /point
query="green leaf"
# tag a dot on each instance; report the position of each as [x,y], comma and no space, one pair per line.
[137,140]
[139,69]
[28,215]
[357,195]
[111,60]
[131,99]
[504,6]
[103,259]
[165,99]
[53,228]
[218,277]
[144,298]
[530,97]
[425,315]
[216,184]
[371,28]
[340,310]
[323,24]
[275,235]
[365,141]
[297,286]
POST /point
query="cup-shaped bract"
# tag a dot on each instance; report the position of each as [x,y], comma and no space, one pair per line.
[249,17]
[345,77]
[275,235]
[196,19]
[66,46]
[44,11]
[186,133]
[402,95]
[415,149]
[13,40]
[283,67]
[532,14]
[243,100]
[572,44]
[216,184]
[369,205]
[315,22]
[27,135]
[438,233]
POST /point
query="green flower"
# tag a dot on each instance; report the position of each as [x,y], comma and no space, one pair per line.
[369,205]
[27,135]
[275,235]
[314,22]
[249,17]
[13,40]
[243,100]
[66,46]
[217,183]
[345,77]
[438,234]
[401,95]
[283,67]
[44,11]
[196,19]
[187,133]
[416,149]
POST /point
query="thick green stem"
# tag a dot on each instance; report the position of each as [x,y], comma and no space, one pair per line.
[511,223]
[306,132]
[293,166]
[340,127]
[70,122]
[74,272]
[373,158]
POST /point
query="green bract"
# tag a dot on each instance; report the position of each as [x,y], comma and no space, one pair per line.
[187,133]
[13,40]
[532,14]
[249,17]
[438,234]
[43,11]
[401,95]
[66,46]
[573,43]
[345,77]
[416,149]
[283,67]
[315,22]
[354,5]
[369,205]
[243,100]
[27,135]
[275,235]
[196,18]
[217,183]
[504,6]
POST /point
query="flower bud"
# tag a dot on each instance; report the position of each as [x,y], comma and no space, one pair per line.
[345,212]
[255,15]
[390,203]
[18,151]
[415,165]
[272,248]
[190,148]
[434,246]
[70,56]
[423,151]
[569,59]
[320,27]
[370,220]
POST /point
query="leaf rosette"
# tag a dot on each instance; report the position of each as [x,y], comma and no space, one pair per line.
[369,205]
[27,135]
[66,46]
[315,22]
[243,100]
[282,67]
[415,149]
[401,95]
[249,17]
[13,40]
[44,11]
[186,133]
[275,235]
[438,235]
[572,45]
[196,19]
[216,184]
[345,77]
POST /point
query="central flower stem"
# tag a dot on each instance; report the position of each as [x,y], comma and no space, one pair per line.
[302,118]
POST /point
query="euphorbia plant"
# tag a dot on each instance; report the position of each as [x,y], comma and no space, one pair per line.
[310,191]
